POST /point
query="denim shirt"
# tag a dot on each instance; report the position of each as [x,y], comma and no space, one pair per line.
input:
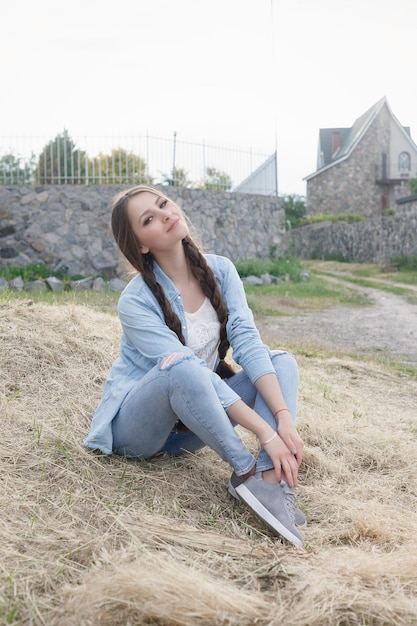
[146,339]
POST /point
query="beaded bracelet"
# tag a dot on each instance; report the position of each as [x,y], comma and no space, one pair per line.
[269,440]
[280,410]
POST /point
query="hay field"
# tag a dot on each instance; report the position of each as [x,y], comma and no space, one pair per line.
[88,540]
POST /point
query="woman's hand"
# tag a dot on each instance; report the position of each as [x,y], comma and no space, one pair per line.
[285,462]
[289,434]
[283,446]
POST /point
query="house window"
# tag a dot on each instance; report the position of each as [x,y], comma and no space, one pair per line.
[404,163]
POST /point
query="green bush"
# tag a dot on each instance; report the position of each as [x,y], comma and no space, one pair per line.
[285,265]
[295,210]
[37,271]
[406,263]
[350,218]
[413,185]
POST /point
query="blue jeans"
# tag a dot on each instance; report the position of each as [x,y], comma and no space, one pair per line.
[145,423]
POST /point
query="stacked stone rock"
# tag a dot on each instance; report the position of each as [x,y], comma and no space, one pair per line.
[67,227]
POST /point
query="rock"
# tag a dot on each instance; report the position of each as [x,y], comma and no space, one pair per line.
[99,284]
[42,196]
[36,285]
[8,253]
[116,284]
[54,283]
[17,284]
[38,245]
[29,197]
[266,279]
[81,285]
[252,280]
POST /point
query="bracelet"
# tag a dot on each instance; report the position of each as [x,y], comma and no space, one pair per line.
[270,439]
[280,410]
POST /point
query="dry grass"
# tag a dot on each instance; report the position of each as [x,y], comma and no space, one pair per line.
[92,540]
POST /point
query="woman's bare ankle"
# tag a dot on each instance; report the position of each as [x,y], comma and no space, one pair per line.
[248,474]
[269,476]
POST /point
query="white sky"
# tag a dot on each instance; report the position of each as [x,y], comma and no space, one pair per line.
[244,73]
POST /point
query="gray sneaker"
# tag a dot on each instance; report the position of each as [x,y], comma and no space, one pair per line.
[267,501]
[297,514]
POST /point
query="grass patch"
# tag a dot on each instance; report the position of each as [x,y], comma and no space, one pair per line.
[380,284]
[274,299]
[350,218]
[407,262]
[287,298]
[368,275]
[36,271]
[406,273]
[363,282]
[403,370]
[99,301]
[409,277]
[284,266]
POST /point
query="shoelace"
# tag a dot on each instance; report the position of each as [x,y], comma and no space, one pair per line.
[289,498]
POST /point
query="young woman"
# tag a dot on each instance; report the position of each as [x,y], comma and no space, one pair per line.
[171,390]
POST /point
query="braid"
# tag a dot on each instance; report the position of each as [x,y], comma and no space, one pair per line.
[207,280]
[171,319]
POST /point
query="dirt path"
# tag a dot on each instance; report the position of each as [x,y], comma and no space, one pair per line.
[386,328]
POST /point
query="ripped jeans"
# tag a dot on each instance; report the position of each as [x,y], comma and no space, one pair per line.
[145,423]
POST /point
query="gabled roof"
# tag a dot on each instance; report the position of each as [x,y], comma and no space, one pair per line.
[350,137]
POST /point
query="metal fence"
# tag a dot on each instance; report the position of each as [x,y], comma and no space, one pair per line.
[149,159]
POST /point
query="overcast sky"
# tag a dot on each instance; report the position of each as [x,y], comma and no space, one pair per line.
[245,73]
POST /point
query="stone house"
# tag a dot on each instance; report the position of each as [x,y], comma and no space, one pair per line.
[363,169]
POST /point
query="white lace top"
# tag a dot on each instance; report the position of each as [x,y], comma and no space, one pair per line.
[204,332]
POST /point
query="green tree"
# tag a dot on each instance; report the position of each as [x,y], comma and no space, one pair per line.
[413,185]
[295,209]
[119,167]
[15,170]
[61,162]
[177,178]
[216,180]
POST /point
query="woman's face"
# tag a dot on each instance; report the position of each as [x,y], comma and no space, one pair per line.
[157,222]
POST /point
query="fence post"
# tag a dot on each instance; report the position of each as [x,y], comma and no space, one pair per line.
[276,172]
[173,158]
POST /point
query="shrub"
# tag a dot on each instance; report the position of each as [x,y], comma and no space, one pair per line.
[285,265]
[350,218]
[406,262]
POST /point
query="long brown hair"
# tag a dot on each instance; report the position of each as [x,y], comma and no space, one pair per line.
[143,263]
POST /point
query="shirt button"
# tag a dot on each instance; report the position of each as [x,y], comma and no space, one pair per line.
[179,297]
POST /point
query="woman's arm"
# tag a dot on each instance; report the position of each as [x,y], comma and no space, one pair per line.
[268,387]
[281,456]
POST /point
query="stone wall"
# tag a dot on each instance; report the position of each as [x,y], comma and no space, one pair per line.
[375,240]
[66,227]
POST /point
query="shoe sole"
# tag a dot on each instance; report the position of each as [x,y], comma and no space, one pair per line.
[235,495]
[258,508]
[232,491]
